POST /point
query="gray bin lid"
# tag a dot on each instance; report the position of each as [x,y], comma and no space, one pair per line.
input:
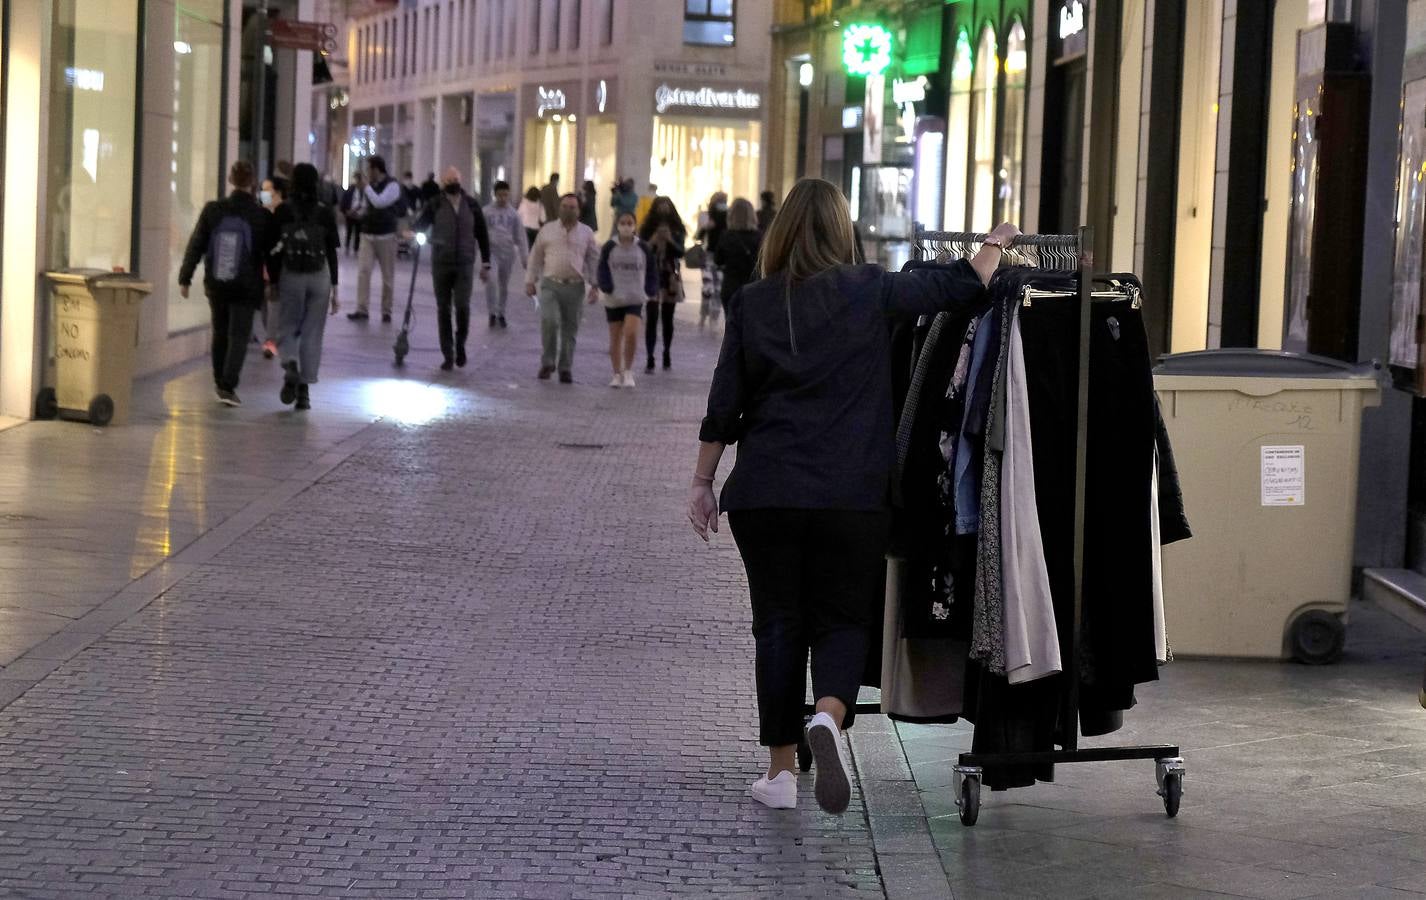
[1251,363]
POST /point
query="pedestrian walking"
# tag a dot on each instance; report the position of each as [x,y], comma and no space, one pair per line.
[663,230]
[353,209]
[459,241]
[232,237]
[563,263]
[803,382]
[271,195]
[588,203]
[383,211]
[767,209]
[550,197]
[737,253]
[430,189]
[303,266]
[507,245]
[628,279]
[711,226]
[532,215]
[329,193]
[624,199]
[411,190]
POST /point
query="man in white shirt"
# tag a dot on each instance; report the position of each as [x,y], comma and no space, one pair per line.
[563,268]
[385,205]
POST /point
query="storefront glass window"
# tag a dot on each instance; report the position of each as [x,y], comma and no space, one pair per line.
[195,144]
[549,148]
[958,134]
[601,142]
[90,188]
[1012,135]
[987,68]
[694,157]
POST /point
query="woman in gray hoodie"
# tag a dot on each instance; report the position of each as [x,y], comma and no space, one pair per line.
[628,278]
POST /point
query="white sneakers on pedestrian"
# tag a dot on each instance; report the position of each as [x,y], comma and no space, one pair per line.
[778,793]
[834,785]
[628,378]
[617,381]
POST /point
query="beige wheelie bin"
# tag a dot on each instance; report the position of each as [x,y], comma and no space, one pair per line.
[96,326]
[1266,445]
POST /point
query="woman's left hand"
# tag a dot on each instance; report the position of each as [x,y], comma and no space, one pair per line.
[703,509]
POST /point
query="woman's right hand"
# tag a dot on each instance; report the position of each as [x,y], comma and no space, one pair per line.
[1003,234]
[703,509]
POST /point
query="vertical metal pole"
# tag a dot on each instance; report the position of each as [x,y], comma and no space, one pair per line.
[1081,458]
[260,91]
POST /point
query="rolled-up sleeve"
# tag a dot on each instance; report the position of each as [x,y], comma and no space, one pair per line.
[928,290]
[726,396]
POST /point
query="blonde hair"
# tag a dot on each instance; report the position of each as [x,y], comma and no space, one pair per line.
[741,216]
[810,234]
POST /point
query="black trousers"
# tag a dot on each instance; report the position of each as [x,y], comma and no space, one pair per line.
[452,284]
[816,578]
[353,234]
[657,311]
[232,329]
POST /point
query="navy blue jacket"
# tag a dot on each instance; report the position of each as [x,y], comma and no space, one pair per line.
[804,387]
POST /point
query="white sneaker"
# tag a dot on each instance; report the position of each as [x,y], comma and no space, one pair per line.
[779,793]
[834,785]
[628,378]
[617,381]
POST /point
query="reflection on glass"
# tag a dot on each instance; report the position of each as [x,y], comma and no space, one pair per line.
[601,159]
[987,66]
[1406,281]
[195,144]
[90,184]
[549,148]
[958,135]
[1012,137]
[1304,213]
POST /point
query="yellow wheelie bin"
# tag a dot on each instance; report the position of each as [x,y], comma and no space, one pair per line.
[96,326]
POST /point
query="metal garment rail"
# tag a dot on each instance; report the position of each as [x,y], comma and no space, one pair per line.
[1067,252]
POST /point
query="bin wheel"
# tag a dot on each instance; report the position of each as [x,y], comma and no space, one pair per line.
[1173,793]
[804,756]
[969,800]
[101,410]
[1317,637]
[47,404]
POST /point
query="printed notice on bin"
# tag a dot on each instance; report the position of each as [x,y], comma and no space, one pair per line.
[1284,476]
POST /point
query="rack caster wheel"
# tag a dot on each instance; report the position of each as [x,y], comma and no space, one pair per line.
[1316,638]
[101,410]
[968,793]
[1170,777]
[47,404]
[804,756]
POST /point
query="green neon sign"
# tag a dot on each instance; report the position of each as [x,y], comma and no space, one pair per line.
[866,49]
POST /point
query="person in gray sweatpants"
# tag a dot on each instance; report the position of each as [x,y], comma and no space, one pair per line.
[304,266]
[507,244]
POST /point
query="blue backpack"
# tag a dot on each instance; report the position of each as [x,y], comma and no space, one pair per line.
[230,247]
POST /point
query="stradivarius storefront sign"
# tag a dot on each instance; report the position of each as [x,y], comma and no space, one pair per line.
[866,49]
[667,97]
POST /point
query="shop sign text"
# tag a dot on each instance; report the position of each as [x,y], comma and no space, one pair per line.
[667,97]
[549,100]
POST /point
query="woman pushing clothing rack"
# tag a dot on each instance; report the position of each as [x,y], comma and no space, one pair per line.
[804,383]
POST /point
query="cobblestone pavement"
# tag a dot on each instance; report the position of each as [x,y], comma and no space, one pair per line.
[470,650]
[448,635]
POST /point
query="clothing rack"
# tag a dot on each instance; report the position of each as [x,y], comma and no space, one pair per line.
[1069,252]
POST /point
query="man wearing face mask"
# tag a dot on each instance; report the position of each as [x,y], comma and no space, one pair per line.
[563,268]
[458,239]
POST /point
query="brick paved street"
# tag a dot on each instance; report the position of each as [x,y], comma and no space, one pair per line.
[449,635]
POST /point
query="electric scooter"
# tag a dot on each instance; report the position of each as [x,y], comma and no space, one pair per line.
[403,339]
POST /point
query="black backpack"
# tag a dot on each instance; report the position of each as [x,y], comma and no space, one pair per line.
[304,240]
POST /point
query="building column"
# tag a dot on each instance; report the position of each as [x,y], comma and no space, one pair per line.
[25,146]
[152,167]
[1035,131]
[422,151]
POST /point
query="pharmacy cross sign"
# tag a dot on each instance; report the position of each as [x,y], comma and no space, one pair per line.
[866,49]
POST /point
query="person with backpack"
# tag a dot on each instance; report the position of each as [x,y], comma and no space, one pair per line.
[459,239]
[233,238]
[385,205]
[303,265]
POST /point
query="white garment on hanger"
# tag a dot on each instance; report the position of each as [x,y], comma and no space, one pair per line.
[1161,638]
[1032,643]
